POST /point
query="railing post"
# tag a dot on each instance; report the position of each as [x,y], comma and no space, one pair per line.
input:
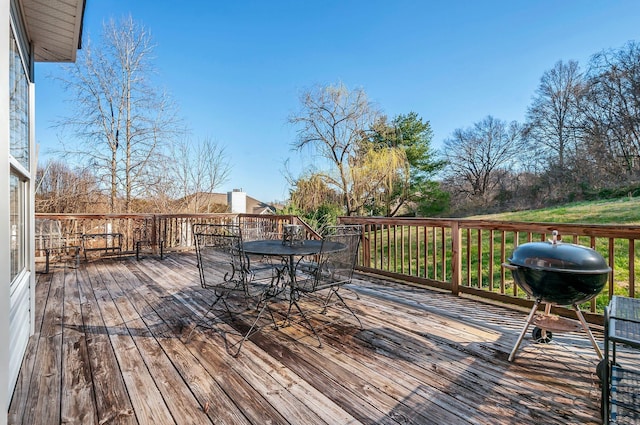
[456,258]
[154,234]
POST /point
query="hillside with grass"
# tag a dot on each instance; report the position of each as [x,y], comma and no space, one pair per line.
[620,211]
[614,211]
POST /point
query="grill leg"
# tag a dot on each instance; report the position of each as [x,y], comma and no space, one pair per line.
[524,330]
[547,312]
[588,331]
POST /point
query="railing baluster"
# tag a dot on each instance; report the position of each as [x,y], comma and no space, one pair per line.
[468,232]
[395,249]
[491,260]
[611,264]
[503,258]
[434,256]
[480,258]
[418,251]
[632,271]
[443,252]
[426,251]
[516,243]
[592,245]
[409,251]
[374,230]
[456,259]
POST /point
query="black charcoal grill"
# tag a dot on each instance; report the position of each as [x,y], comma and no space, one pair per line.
[557,273]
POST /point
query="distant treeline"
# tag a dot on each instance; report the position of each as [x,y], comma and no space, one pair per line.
[580,140]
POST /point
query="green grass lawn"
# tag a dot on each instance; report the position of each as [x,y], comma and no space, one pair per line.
[616,211]
[624,211]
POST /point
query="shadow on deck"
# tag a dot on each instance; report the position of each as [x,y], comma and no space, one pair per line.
[108,348]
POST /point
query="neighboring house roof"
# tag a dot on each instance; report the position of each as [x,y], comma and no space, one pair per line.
[253,205]
[258,207]
[54,28]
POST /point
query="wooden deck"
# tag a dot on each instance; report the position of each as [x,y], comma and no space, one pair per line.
[109,348]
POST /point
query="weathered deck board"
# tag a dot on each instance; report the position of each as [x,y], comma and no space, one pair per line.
[287,406]
[77,398]
[151,369]
[40,406]
[217,402]
[110,347]
[23,383]
[112,402]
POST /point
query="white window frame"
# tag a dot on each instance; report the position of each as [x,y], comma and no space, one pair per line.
[17,168]
[22,284]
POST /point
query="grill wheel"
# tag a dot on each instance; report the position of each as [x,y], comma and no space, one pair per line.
[540,336]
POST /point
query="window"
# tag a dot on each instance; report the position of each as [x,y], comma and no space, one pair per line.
[17,223]
[19,158]
[19,105]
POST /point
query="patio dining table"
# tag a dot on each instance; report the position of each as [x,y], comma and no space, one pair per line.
[275,248]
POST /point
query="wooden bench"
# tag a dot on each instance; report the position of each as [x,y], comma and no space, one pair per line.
[56,244]
[148,242]
[144,236]
[107,242]
[53,241]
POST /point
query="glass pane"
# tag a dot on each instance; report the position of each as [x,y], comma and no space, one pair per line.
[19,101]
[17,222]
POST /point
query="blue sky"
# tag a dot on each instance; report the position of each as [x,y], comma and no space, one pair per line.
[236,68]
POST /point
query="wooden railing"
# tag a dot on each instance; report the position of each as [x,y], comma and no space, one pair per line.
[173,229]
[466,256]
[460,256]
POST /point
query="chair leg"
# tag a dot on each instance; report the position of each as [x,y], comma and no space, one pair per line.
[335,291]
[294,301]
[272,292]
[252,330]
[218,298]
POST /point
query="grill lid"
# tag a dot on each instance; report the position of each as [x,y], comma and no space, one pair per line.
[559,257]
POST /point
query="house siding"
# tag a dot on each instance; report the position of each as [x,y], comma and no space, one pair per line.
[4,210]
[17,297]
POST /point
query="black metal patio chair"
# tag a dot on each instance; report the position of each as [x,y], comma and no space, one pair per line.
[322,279]
[224,269]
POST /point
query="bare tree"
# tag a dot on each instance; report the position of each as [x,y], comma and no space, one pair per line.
[553,115]
[333,122]
[60,189]
[611,111]
[121,119]
[476,156]
[198,169]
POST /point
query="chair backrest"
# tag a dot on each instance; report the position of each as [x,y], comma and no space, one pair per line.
[349,234]
[336,267]
[219,254]
[260,229]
